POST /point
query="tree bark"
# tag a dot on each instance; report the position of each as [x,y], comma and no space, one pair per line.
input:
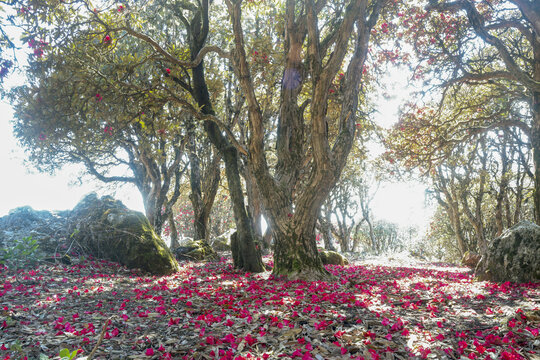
[501,198]
[173,232]
[324,228]
[203,189]
[255,207]
[535,128]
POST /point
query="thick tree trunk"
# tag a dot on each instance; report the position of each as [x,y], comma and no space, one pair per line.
[295,251]
[455,221]
[255,207]
[153,211]
[294,192]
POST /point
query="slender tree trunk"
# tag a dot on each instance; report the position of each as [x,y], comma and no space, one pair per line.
[324,228]
[200,221]
[519,198]
[173,231]
[502,193]
[356,239]
[250,255]
[535,130]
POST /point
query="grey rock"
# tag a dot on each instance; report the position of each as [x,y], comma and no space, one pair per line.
[198,250]
[514,256]
[48,228]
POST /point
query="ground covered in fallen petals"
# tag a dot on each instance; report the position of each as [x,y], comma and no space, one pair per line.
[211,311]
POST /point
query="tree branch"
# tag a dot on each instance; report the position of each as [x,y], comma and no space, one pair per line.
[477,22]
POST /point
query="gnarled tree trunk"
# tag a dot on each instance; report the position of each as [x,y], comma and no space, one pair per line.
[309,163]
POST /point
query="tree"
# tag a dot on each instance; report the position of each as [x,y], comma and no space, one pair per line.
[68,115]
[482,188]
[315,44]
[493,44]
[204,186]
[348,199]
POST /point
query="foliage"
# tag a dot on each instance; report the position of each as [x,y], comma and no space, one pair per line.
[65,354]
[23,252]
[438,243]
[73,111]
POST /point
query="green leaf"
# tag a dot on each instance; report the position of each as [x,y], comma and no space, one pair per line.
[64,353]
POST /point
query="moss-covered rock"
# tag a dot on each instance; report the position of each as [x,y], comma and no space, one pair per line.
[107,229]
[514,256]
[220,244]
[198,250]
[223,241]
[332,258]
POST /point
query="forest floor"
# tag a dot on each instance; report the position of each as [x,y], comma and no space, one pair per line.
[382,308]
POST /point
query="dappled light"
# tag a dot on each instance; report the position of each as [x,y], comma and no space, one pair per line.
[213,311]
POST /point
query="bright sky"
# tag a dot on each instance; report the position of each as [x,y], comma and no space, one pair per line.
[399,202]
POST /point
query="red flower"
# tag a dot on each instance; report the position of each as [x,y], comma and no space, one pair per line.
[168,71]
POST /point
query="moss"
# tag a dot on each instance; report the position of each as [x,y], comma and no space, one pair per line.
[221,245]
[196,250]
[332,258]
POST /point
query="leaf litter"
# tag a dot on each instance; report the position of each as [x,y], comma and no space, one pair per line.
[212,311]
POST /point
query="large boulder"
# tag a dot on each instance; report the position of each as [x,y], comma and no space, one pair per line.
[514,256]
[197,250]
[332,258]
[107,229]
[49,229]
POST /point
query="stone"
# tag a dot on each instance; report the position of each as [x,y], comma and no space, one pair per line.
[198,250]
[107,229]
[223,242]
[220,244]
[329,257]
[49,229]
[514,256]
[470,259]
